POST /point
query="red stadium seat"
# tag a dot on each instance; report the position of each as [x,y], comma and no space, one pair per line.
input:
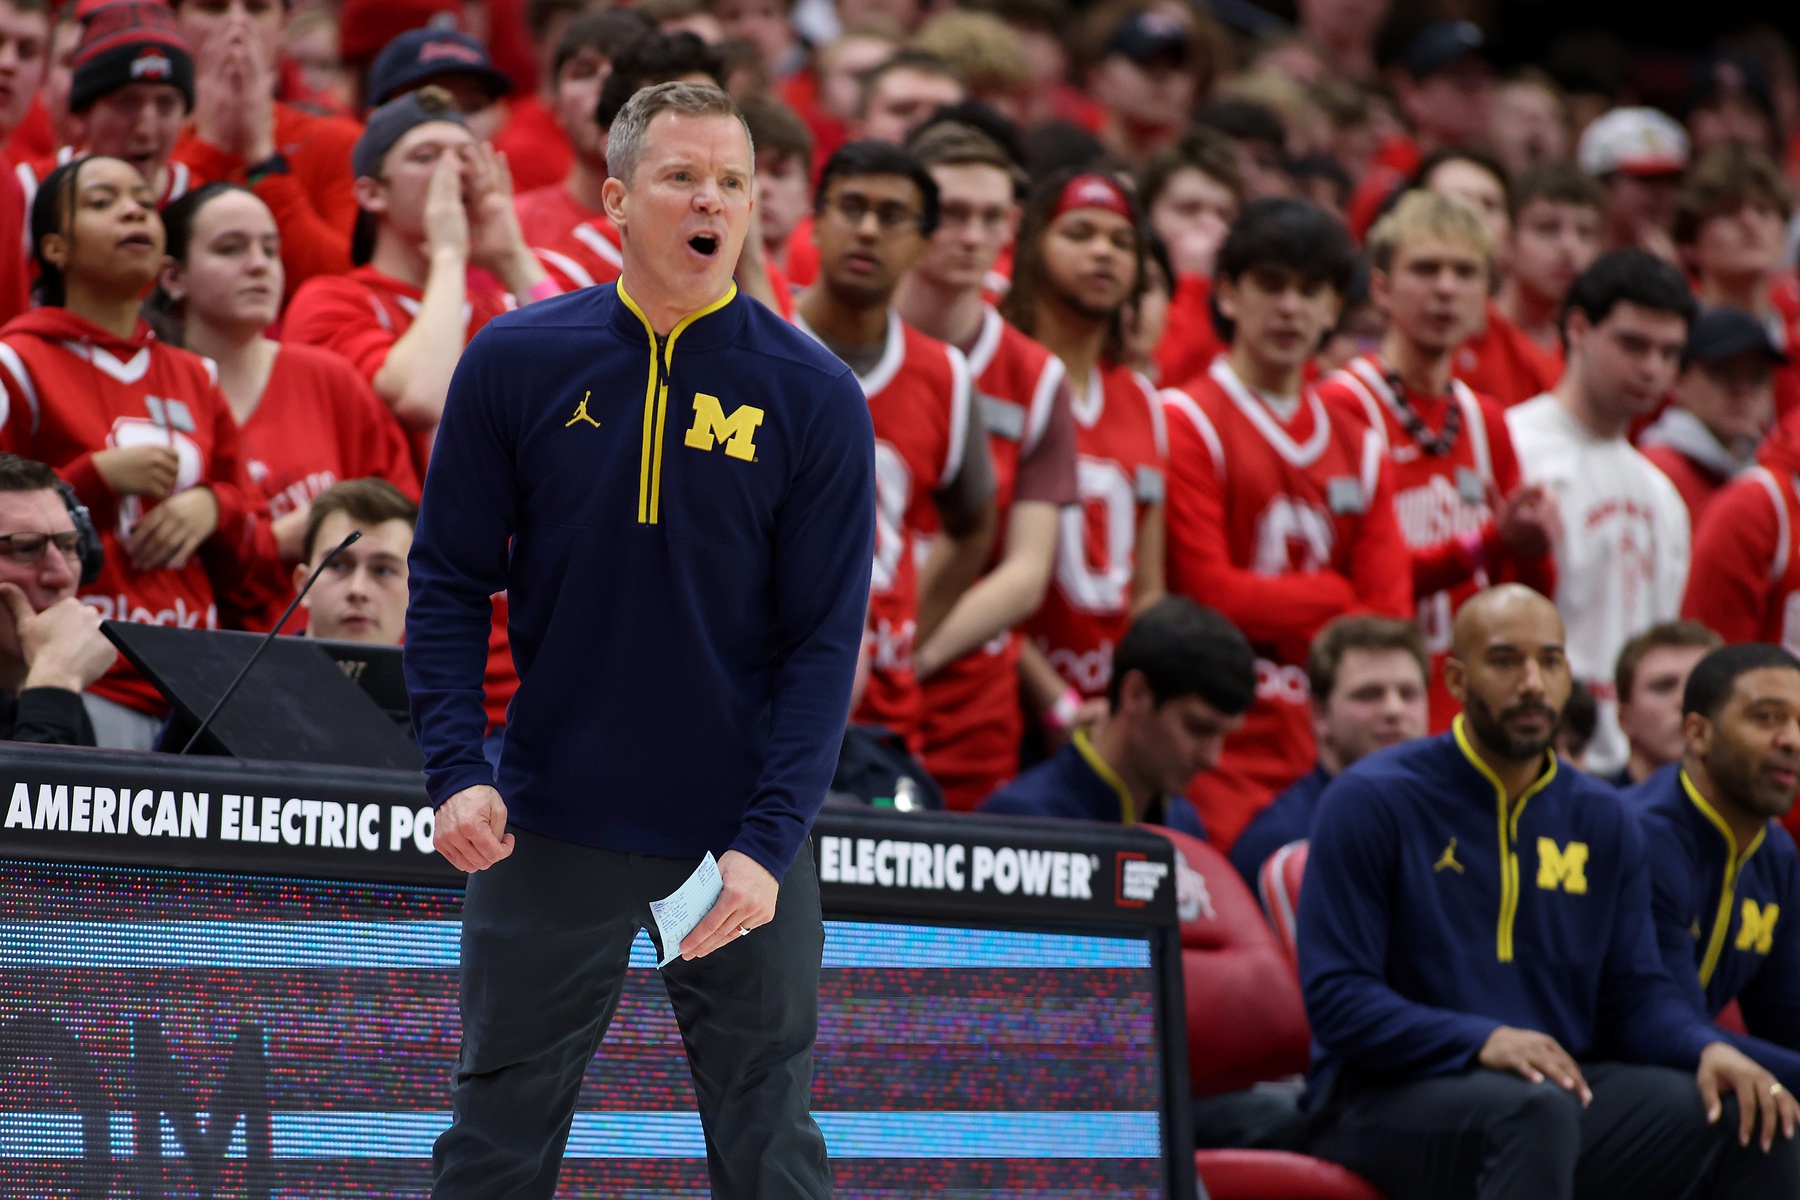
[1278,885]
[1246,1024]
[1276,1175]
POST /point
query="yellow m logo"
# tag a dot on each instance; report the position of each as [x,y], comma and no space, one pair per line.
[712,426]
[1566,869]
[1757,932]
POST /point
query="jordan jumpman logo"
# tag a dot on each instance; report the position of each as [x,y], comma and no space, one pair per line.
[581,413]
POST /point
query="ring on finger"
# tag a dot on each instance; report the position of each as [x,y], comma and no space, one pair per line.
[1775,1089]
[742,930]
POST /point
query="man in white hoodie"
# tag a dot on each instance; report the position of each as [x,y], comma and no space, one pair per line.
[1622,561]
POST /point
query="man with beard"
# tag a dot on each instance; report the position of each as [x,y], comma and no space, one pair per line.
[874,211]
[1481,974]
[1724,871]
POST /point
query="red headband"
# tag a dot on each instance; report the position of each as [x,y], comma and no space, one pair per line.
[1093,191]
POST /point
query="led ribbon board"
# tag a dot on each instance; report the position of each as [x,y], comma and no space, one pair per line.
[189,1014]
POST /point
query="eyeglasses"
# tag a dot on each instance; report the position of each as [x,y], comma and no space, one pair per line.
[27,549]
[891,217]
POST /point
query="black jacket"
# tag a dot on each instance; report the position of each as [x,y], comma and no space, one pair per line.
[46,715]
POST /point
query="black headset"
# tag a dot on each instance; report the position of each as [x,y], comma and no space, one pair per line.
[92,553]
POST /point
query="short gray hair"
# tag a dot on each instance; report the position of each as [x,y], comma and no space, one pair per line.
[625,141]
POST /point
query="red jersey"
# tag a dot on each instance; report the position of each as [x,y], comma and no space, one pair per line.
[359,317]
[972,722]
[318,424]
[921,402]
[1442,499]
[1121,454]
[314,200]
[549,214]
[537,149]
[1189,342]
[588,254]
[1281,525]
[1503,362]
[71,389]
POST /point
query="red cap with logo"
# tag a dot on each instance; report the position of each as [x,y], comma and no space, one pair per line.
[127,42]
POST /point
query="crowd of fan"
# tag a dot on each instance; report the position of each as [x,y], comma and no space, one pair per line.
[1298,241]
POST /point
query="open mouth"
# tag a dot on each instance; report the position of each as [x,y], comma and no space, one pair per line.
[138,241]
[704,244]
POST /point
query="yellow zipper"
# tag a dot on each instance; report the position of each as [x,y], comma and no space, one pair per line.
[656,402]
[1509,836]
[1734,866]
[1100,767]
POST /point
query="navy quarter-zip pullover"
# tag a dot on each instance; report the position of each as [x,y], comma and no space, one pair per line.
[1434,912]
[691,522]
[1726,916]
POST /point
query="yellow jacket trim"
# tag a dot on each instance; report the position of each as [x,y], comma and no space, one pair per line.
[1734,866]
[1509,835]
[656,401]
[1091,756]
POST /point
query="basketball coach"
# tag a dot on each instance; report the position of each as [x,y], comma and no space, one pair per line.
[676,489]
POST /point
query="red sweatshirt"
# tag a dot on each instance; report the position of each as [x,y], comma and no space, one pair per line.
[1189,342]
[1744,578]
[314,202]
[1503,362]
[72,388]
[318,424]
[537,149]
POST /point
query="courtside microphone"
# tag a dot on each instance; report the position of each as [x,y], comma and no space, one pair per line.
[264,644]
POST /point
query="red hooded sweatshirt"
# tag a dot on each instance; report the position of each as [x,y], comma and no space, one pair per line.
[72,388]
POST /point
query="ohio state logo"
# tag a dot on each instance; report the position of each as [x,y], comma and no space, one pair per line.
[152,64]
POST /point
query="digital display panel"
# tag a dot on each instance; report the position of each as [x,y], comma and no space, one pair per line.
[179,1034]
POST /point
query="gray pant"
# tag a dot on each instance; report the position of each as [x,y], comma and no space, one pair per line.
[1485,1135]
[546,937]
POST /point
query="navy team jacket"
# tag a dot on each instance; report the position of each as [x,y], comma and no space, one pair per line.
[691,521]
[1433,913]
[1076,784]
[1727,917]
